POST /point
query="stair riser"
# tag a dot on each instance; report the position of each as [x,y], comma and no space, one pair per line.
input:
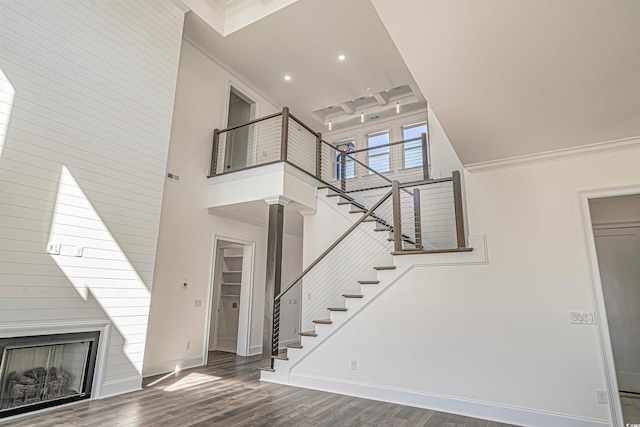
[355,303]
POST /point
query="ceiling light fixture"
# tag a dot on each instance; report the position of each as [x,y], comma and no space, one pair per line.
[397,107]
[330,125]
[287,77]
[341,57]
[362,116]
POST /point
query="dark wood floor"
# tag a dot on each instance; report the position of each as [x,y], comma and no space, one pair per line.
[227,392]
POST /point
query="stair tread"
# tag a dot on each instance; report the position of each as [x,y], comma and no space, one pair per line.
[280,357]
[336,309]
[368,282]
[347,202]
[357,211]
[268,369]
[296,345]
[323,322]
[385,267]
[352,295]
[308,334]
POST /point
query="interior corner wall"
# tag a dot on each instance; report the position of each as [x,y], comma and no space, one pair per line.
[494,337]
[86,99]
[185,242]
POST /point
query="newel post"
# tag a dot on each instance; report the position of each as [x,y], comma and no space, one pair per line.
[417,217]
[457,204]
[214,153]
[284,135]
[397,217]
[319,155]
[425,157]
[343,170]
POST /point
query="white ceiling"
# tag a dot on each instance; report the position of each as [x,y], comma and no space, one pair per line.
[304,40]
[504,77]
[508,78]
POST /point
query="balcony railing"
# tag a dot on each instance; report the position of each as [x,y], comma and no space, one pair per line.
[404,211]
[282,137]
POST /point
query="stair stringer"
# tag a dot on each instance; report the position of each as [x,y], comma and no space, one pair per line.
[283,368]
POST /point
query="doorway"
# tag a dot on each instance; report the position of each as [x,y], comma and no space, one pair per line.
[616,233]
[241,109]
[230,302]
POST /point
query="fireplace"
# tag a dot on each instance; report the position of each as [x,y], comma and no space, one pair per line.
[37,372]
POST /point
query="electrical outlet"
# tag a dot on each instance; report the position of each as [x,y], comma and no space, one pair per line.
[354,365]
[197,303]
[295,330]
[53,248]
[79,251]
[601,396]
[295,301]
[187,346]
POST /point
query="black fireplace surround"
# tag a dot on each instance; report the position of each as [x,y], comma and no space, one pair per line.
[38,372]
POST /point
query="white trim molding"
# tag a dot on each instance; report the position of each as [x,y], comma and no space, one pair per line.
[549,156]
[617,224]
[604,336]
[451,404]
[172,366]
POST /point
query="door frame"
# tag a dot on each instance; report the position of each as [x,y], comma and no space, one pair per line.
[606,349]
[251,98]
[246,294]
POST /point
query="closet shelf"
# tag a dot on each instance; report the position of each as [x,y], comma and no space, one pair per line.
[232,284]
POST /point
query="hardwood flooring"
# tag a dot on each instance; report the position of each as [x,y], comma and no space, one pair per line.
[227,392]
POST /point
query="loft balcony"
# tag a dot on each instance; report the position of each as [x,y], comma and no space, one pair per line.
[279,156]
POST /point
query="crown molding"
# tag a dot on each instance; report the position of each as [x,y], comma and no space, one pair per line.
[550,156]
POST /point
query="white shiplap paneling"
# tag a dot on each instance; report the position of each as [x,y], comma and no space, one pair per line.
[87,103]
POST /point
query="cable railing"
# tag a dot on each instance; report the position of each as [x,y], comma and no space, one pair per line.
[404,211]
[282,137]
[337,270]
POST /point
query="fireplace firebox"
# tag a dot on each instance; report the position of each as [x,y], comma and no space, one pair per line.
[37,372]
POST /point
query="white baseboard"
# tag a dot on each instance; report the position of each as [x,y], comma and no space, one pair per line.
[171,365]
[489,411]
[255,350]
[126,385]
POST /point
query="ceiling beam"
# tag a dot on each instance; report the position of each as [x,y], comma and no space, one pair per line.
[382,98]
[349,107]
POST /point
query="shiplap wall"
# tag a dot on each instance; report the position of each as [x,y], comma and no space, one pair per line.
[82,163]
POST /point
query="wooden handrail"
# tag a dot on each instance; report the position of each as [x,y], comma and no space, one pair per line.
[359,150]
[330,248]
[261,119]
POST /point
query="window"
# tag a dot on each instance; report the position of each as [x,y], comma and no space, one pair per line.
[412,151]
[378,158]
[347,146]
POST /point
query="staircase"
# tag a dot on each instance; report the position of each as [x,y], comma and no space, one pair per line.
[365,291]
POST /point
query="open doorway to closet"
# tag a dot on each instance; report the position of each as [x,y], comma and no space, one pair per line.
[616,231]
[231,290]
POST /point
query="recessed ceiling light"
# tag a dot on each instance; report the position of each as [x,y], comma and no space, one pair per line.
[287,77]
[341,57]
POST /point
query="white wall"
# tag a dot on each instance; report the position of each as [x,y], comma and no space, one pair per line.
[185,240]
[88,99]
[493,340]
